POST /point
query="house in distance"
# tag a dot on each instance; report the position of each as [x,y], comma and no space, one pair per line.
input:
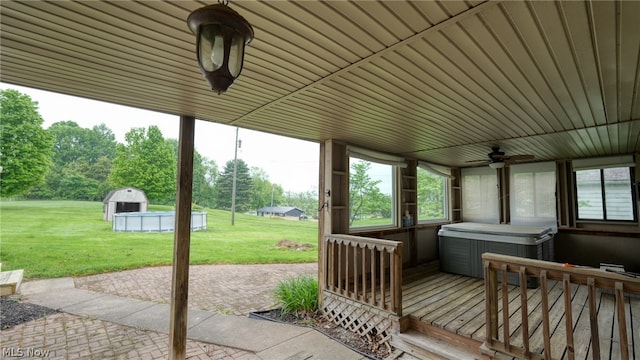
[288,212]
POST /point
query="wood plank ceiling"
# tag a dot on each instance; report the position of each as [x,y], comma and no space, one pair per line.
[440,81]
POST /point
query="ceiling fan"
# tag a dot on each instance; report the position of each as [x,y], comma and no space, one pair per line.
[498,159]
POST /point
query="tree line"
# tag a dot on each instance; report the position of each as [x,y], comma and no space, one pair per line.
[69,162]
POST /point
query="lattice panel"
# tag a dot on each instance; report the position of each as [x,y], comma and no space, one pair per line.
[359,318]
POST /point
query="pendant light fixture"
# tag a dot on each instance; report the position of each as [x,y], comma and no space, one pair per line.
[221,37]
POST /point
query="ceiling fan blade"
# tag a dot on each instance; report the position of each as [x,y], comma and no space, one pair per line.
[473,161]
[521,157]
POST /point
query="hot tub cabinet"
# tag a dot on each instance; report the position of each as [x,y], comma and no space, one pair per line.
[461,246]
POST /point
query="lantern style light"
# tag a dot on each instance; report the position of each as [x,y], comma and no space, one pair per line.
[221,37]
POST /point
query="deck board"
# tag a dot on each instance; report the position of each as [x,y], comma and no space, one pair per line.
[449,311]
[456,304]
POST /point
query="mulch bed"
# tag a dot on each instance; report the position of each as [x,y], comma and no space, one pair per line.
[14,312]
[366,345]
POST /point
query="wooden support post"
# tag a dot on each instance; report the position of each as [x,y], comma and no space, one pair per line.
[566,283]
[546,334]
[397,280]
[322,245]
[593,318]
[622,321]
[524,311]
[506,333]
[491,302]
[181,241]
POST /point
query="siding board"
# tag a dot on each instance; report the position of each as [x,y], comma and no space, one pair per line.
[440,80]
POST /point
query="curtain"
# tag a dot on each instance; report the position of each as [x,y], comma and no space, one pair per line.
[533,194]
[480,201]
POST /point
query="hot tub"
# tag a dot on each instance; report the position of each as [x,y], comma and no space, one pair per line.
[155,221]
[461,246]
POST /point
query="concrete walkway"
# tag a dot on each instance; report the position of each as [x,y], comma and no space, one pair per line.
[99,325]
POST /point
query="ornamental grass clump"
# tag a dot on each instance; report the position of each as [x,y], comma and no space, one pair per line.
[298,295]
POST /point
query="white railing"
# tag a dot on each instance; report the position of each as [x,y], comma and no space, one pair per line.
[365,270]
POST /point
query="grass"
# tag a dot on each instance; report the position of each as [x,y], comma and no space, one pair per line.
[51,239]
[297,295]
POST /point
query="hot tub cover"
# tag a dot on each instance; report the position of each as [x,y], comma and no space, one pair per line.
[517,234]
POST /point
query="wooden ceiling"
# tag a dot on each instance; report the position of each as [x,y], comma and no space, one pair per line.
[441,81]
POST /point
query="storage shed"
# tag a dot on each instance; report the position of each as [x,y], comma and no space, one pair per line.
[127,199]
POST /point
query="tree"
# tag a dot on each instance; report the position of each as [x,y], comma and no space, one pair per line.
[81,162]
[263,192]
[431,194]
[205,172]
[365,197]
[224,187]
[147,162]
[25,149]
[210,176]
[307,201]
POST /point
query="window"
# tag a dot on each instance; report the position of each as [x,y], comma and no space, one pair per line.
[604,189]
[432,195]
[480,195]
[371,194]
[605,194]
[533,194]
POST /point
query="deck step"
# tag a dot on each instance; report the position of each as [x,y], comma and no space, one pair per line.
[425,347]
[10,281]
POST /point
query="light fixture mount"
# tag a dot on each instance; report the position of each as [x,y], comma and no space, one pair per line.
[221,37]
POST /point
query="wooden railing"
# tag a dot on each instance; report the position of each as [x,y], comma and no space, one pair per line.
[365,270]
[497,292]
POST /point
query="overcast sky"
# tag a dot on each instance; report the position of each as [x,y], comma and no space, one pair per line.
[291,163]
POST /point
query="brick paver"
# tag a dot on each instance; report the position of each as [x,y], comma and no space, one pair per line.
[228,289]
[66,336]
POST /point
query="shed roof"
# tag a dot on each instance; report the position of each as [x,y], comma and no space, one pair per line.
[112,193]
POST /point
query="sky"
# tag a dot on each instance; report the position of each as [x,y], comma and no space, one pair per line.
[291,163]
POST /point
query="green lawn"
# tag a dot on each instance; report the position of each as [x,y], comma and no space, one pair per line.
[69,238]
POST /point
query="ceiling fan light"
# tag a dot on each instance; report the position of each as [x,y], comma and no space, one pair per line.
[497,164]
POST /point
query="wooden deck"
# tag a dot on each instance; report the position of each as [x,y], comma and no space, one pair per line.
[456,304]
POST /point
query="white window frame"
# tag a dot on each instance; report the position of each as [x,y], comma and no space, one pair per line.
[395,162]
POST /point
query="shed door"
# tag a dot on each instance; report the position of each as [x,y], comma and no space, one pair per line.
[127,207]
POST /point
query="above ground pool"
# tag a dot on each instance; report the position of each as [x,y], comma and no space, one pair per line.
[155,221]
